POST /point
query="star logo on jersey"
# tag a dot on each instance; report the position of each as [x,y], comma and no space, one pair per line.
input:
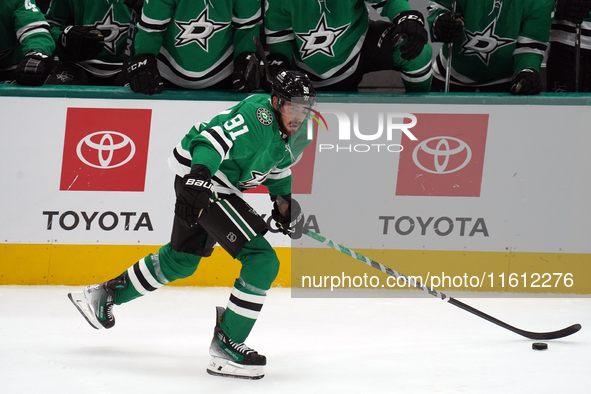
[320,39]
[257,179]
[484,44]
[198,30]
[111,30]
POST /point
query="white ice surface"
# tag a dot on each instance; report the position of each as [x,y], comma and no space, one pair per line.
[360,345]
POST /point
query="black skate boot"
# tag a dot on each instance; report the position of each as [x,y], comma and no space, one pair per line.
[232,359]
[96,302]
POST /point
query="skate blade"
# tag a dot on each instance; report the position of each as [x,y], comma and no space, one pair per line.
[226,368]
[83,307]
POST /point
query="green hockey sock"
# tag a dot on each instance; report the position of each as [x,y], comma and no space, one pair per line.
[154,271]
[242,312]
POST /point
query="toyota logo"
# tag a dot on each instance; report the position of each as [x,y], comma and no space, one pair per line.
[105,149]
[442,149]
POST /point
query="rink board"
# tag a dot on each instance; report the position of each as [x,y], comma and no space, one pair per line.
[24,264]
[517,203]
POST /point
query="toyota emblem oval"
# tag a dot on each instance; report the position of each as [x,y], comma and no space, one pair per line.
[109,143]
[443,150]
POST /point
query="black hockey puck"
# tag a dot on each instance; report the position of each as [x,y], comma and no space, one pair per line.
[539,346]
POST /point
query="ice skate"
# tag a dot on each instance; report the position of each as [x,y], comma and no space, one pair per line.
[230,359]
[96,302]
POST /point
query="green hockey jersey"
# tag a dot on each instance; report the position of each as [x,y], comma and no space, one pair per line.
[243,148]
[23,28]
[111,17]
[195,41]
[500,38]
[325,37]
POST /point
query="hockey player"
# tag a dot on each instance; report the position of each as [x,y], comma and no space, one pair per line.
[252,143]
[336,44]
[90,36]
[498,45]
[196,44]
[25,43]
[561,64]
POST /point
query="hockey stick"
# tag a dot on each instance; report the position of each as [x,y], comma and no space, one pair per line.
[435,293]
[577,57]
[263,57]
[450,47]
[134,19]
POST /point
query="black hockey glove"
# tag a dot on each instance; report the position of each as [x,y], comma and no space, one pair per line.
[526,82]
[193,199]
[292,223]
[446,28]
[248,70]
[410,27]
[573,10]
[142,74]
[275,62]
[84,42]
[33,69]
[135,5]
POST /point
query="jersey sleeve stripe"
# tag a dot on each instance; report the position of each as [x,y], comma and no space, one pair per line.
[178,155]
[567,37]
[153,25]
[242,23]
[274,37]
[527,45]
[218,139]
[379,6]
[32,28]
[419,75]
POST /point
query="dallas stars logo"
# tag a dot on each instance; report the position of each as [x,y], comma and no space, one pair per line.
[321,39]
[198,30]
[64,76]
[257,179]
[484,44]
[114,29]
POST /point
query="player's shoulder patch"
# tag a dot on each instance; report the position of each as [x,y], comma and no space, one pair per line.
[264,116]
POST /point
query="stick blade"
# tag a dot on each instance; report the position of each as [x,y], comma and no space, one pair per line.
[565,332]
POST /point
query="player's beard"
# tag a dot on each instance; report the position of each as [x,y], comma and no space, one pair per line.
[294,126]
[291,128]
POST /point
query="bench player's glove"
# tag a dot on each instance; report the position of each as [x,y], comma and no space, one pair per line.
[526,82]
[573,10]
[275,63]
[409,26]
[289,221]
[33,69]
[84,42]
[447,28]
[248,70]
[141,72]
[193,199]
